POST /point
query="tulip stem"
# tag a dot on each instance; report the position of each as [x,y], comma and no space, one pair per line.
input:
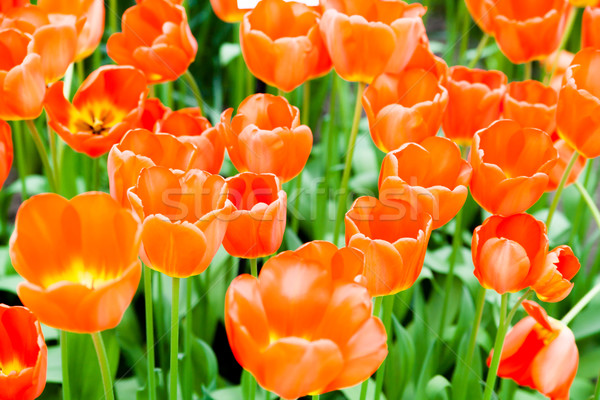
[581,304]
[388,308]
[581,206]
[305,121]
[39,144]
[479,51]
[191,82]
[188,387]
[502,328]
[20,155]
[342,203]
[563,44]
[461,389]
[174,359]
[528,71]
[104,366]
[316,396]
[365,385]
[113,14]
[589,201]
[254,267]
[149,333]
[560,188]
[54,154]
[64,358]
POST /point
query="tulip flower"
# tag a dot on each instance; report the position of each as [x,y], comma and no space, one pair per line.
[578,110]
[257,225]
[540,352]
[6,151]
[511,165]
[184,216]
[532,105]
[565,153]
[23,87]
[431,176]
[480,12]
[528,33]
[265,136]
[403,108]
[6,5]
[300,330]
[107,105]
[88,16]
[475,101]
[555,283]
[367,38]
[424,59]
[79,258]
[590,34]
[156,39]
[394,237]
[227,10]
[584,3]
[557,65]
[24,355]
[282,45]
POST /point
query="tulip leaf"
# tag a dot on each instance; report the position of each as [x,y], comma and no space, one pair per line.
[353,393]
[438,388]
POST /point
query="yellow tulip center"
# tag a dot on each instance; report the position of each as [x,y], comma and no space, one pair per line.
[13,365]
[97,119]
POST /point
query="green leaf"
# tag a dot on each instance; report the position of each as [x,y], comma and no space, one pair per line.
[204,366]
[353,393]
[437,388]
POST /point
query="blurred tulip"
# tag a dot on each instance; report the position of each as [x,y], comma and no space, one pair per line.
[584,3]
[227,10]
[590,28]
[480,12]
[528,33]
[301,331]
[87,15]
[22,86]
[257,225]
[366,38]
[424,59]
[394,237]
[430,176]
[403,108]
[509,253]
[475,101]
[6,5]
[557,64]
[511,165]
[565,153]
[265,136]
[156,39]
[23,355]
[532,105]
[107,104]
[578,111]
[282,45]
[555,283]
[6,151]
[184,216]
[79,258]
[540,352]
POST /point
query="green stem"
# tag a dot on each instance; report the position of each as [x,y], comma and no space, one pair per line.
[20,153]
[54,154]
[80,71]
[254,267]
[464,36]
[188,336]
[388,308]
[104,367]
[95,181]
[581,205]
[174,359]
[560,188]
[305,121]
[528,71]
[348,166]
[189,79]
[479,51]
[365,385]
[316,397]
[169,90]
[581,304]
[563,44]
[597,391]
[502,327]
[240,74]
[39,144]
[64,355]
[149,333]
[113,12]
[589,201]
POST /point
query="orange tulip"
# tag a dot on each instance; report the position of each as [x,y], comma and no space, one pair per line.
[184,216]
[282,45]
[584,3]
[6,151]
[81,267]
[257,225]
[393,236]
[22,85]
[301,331]
[6,5]
[366,38]
[156,39]
[475,101]
[578,111]
[403,108]
[511,165]
[557,65]
[480,12]
[540,352]
[528,33]
[108,104]
[532,105]
[590,34]
[509,253]
[565,153]
[431,176]
[227,10]
[555,283]
[265,136]
[88,15]
[423,58]
[23,354]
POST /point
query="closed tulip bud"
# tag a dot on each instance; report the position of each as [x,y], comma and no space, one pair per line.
[532,105]
[590,32]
